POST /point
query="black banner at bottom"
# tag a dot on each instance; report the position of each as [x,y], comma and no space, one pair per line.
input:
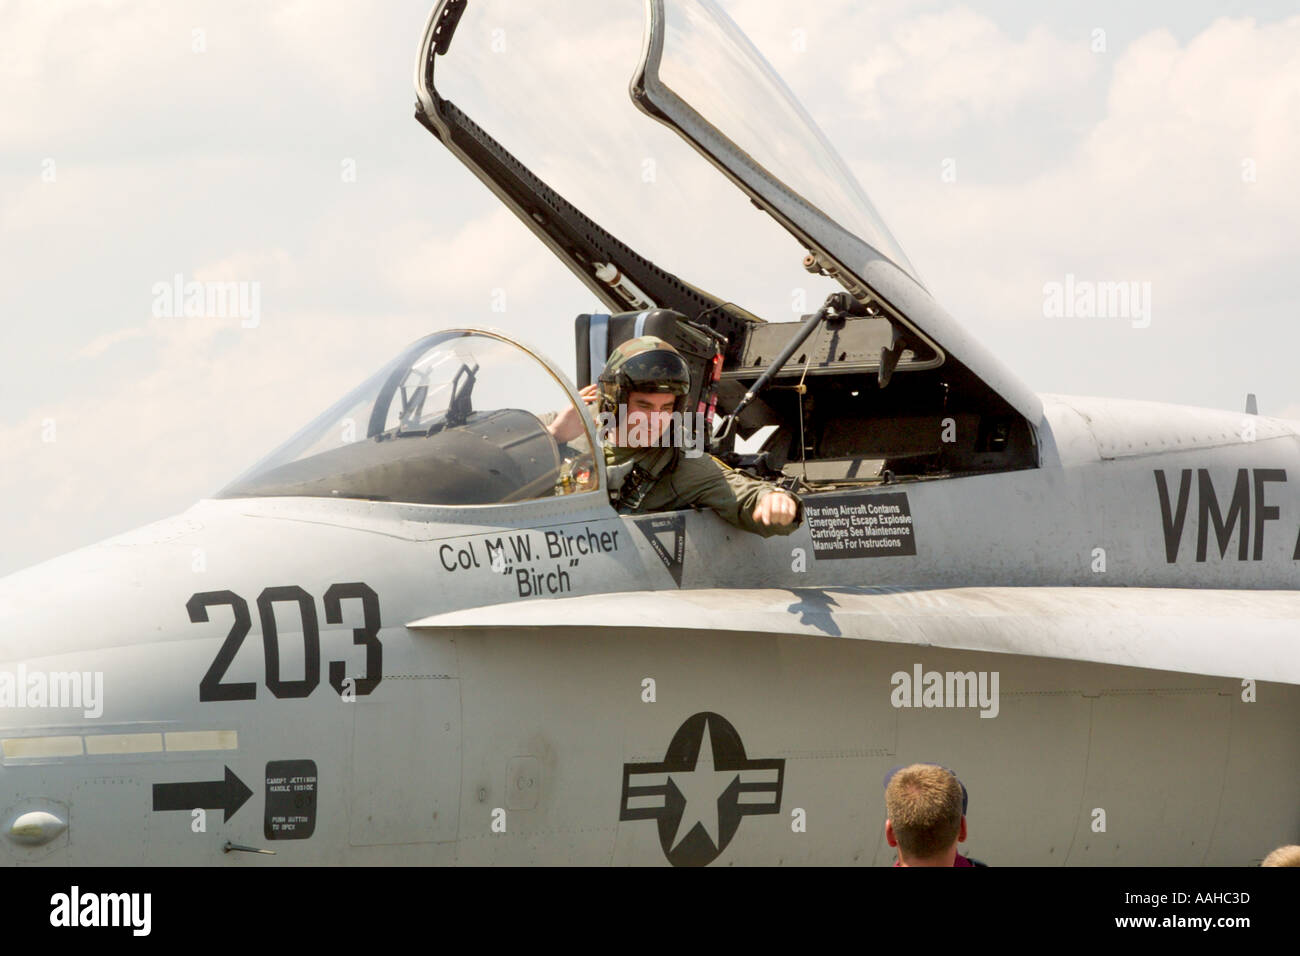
[1007,904]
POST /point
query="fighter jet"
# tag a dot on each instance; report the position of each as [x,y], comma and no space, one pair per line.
[419,631]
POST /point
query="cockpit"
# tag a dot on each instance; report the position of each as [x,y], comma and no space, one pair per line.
[458,418]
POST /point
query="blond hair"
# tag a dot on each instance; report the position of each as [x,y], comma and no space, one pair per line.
[1283,856]
[924,807]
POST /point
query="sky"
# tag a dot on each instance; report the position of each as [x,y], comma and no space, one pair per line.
[1010,147]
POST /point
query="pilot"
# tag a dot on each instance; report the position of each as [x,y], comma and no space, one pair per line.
[643,384]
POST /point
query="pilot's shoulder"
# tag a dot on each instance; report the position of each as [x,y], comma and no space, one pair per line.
[695,472]
[717,464]
[712,467]
[703,466]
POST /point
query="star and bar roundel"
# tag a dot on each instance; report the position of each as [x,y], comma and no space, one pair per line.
[700,791]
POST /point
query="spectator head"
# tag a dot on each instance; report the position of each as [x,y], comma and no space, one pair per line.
[926,814]
[1283,856]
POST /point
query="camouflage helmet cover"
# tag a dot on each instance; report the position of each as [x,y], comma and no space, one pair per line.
[644,364]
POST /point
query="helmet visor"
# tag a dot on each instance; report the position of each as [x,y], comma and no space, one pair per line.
[657,371]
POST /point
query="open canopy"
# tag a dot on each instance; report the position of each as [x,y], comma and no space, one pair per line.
[548,105]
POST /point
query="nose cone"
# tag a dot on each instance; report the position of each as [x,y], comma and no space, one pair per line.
[97,595]
[90,637]
[98,682]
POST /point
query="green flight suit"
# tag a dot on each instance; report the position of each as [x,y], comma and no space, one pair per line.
[706,482]
[686,481]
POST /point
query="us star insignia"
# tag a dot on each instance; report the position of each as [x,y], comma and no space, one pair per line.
[701,790]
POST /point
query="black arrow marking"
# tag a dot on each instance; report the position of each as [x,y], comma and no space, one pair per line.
[227,795]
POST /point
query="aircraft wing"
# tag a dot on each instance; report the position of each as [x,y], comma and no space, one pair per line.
[1222,633]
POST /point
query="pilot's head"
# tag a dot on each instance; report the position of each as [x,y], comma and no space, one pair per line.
[643,383]
[926,809]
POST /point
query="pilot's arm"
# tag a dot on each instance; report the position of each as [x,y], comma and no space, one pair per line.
[567,425]
[736,497]
[577,473]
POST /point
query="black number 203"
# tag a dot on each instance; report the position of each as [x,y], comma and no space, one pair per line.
[211,687]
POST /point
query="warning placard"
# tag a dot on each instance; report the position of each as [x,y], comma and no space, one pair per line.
[290,800]
[860,526]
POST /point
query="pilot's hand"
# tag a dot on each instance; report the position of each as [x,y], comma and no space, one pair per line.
[568,423]
[776,507]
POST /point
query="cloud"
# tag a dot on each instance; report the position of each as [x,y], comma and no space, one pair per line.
[101,344]
[1161,176]
[115,70]
[910,72]
[421,262]
[265,265]
[939,73]
[217,397]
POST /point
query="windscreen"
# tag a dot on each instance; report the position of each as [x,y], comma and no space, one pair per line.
[710,63]
[459,418]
